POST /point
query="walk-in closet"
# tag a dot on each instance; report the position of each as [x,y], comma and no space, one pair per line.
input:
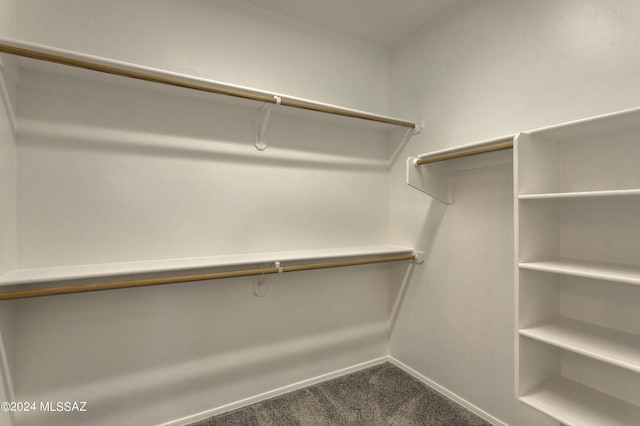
[326,212]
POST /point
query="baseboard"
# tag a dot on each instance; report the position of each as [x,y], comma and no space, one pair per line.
[444,391]
[332,375]
[276,392]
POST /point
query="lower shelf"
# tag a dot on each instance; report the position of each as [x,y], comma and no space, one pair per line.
[629,274]
[84,278]
[190,265]
[605,344]
[574,404]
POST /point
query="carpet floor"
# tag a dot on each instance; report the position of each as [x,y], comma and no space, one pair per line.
[380,395]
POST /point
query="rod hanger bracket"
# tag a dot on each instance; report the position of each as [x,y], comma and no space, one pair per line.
[260,281]
[419,127]
[263,122]
[260,285]
[419,257]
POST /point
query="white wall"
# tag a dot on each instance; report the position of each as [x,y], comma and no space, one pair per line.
[8,18]
[8,165]
[488,69]
[223,40]
[7,145]
[7,358]
[8,208]
[8,234]
[129,174]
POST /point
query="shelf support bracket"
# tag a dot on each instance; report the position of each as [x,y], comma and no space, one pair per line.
[260,285]
[260,282]
[432,179]
[265,114]
[419,127]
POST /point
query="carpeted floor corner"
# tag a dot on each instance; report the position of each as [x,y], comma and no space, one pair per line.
[380,395]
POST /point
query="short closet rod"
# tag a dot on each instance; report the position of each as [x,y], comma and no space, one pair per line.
[466,153]
[23,294]
[28,50]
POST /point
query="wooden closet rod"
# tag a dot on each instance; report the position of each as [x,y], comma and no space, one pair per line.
[28,50]
[465,153]
[23,294]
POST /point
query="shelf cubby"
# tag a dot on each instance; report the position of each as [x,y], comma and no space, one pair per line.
[577,192]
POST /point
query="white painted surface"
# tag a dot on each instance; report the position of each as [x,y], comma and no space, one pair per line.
[8,165]
[587,248]
[8,18]
[224,40]
[598,270]
[167,353]
[191,265]
[117,174]
[499,67]
[492,68]
[588,407]
[7,359]
[488,69]
[8,208]
[150,176]
[435,178]
[447,393]
[277,392]
[601,343]
[378,22]
[456,321]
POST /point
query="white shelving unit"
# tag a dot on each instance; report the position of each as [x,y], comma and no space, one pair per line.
[577,202]
[239,102]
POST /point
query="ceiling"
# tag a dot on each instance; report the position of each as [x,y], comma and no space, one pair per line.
[383,23]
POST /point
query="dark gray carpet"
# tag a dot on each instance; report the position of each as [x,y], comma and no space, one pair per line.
[380,395]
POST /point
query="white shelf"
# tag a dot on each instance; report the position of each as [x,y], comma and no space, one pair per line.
[602,125]
[601,343]
[577,342]
[577,405]
[581,194]
[629,274]
[434,179]
[79,65]
[472,161]
[195,265]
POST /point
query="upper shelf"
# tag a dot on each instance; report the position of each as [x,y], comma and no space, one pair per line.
[430,173]
[491,145]
[595,157]
[49,55]
[574,149]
